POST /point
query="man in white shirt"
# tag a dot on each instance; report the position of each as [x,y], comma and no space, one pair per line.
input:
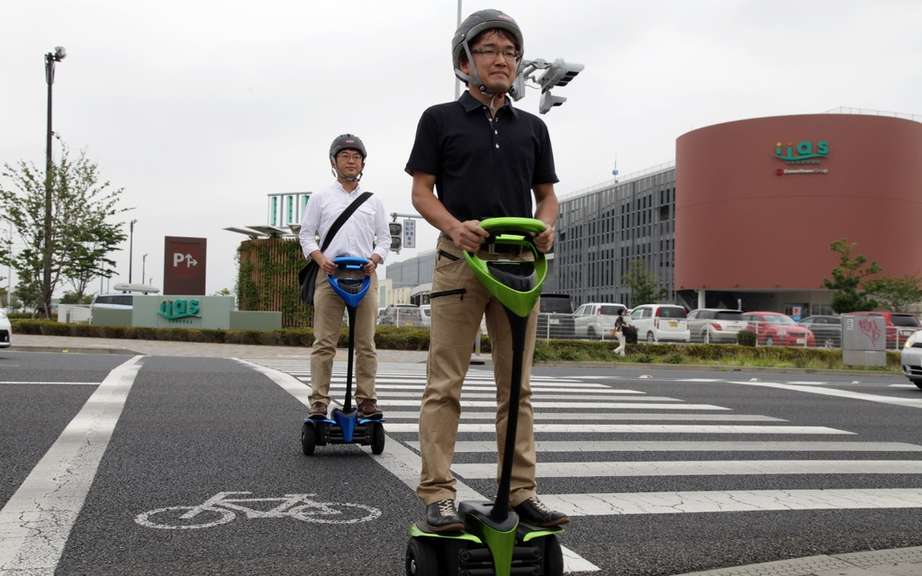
[365,235]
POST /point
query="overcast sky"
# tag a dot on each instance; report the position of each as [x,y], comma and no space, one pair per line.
[201,108]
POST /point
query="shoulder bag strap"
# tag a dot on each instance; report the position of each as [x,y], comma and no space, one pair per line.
[342,219]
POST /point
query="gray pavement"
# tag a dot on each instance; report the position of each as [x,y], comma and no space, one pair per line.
[890,562]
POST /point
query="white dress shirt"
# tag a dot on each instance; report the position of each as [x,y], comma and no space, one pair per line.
[364,233]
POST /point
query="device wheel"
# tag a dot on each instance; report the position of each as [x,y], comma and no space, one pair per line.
[308,439]
[422,558]
[553,556]
[377,438]
[651,337]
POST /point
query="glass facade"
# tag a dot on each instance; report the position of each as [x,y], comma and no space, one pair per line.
[601,233]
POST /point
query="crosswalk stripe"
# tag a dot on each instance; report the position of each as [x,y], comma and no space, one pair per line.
[643,429]
[473,388]
[616,504]
[421,380]
[48,383]
[37,519]
[691,446]
[702,468]
[540,395]
[558,404]
[584,416]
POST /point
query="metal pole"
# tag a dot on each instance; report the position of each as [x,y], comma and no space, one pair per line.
[46,257]
[143,268]
[458,82]
[130,248]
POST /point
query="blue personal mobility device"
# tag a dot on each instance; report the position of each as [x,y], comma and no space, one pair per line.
[345,427]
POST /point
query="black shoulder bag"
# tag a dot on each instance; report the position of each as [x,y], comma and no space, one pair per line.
[307,276]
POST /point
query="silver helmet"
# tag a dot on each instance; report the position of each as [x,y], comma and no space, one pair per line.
[346,142]
[473,25]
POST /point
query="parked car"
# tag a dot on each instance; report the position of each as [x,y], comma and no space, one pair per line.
[6,331]
[426,311]
[774,328]
[113,301]
[596,319]
[911,358]
[555,316]
[656,322]
[900,326]
[826,329]
[401,315]
[714,325]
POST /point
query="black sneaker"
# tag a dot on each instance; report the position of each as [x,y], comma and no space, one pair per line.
[534,512]
[441,516]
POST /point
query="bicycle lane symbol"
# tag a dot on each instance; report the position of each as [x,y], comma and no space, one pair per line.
[221,509]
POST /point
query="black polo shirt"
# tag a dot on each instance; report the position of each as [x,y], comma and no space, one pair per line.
[483,167]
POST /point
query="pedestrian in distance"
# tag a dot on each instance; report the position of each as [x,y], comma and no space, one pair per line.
[618,332]
[475,158]
[364,234]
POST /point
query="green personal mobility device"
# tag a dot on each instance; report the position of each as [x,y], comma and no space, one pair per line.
[494,542]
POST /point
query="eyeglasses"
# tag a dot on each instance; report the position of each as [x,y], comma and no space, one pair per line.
[492,52]
[349,156]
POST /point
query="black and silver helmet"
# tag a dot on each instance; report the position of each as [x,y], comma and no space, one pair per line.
[473,25]
[347,142]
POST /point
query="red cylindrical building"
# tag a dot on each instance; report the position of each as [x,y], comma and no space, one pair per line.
[758,202]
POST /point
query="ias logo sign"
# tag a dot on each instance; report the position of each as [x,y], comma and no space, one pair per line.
[803,152]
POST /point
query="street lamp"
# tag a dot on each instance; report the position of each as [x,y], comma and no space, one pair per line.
[143,267]
[9,268]
[130,247]
[50,59]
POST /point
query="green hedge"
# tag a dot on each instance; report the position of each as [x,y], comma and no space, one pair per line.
[408,338]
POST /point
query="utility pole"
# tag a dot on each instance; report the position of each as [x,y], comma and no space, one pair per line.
[50,59]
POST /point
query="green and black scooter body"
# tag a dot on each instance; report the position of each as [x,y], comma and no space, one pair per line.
[494,542]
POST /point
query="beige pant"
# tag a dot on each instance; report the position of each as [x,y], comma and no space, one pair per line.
[328,320]
[455,323]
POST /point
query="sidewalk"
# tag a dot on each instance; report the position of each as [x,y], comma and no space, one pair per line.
[893,562]
[36,343]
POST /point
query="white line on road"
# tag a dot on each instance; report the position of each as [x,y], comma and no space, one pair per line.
[341,385]
[50,383]
[907,402]
[590,416]
[644,429]
[559,405]
[702,468]
[732,501]
[692,446]
[538,394]
[405,464]
[36,521]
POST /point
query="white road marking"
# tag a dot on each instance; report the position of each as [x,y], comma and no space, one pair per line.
[559,405]
[912,386]
[644,429]
[599,388]
[405,464]
[907,402]
[691,446]
[539,395]
[732,501]
[697,380]
[36,521]
[807,382]
[50,383]
[702,468]
[590,416]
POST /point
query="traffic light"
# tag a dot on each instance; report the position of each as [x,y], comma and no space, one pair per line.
[548,101]
[559,74]
[396,229]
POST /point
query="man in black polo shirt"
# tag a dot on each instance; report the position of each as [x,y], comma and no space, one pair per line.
[484,158]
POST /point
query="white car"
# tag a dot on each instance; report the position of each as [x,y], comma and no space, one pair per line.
[596,319]
[911,358]
[426,311]
[657,322]
[6,331]
[715,325]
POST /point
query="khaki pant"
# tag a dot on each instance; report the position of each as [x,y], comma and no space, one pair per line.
[328,320]
[455,322]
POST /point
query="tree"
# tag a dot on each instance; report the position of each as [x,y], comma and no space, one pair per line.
[82,236]
[896,294]
[847,278]
[643,285]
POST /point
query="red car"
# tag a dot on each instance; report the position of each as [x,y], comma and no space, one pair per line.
[900,326]
[776,329]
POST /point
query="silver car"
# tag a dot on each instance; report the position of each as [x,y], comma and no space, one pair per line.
[6,331]
[715,325]
[911,358]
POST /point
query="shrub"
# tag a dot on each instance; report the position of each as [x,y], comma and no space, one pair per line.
[746,338]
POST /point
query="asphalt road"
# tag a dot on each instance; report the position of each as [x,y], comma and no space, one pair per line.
[664,471]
